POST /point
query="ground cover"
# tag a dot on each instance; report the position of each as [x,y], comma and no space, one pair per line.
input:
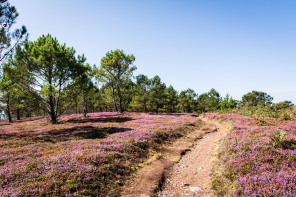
[263,155]
[80,156]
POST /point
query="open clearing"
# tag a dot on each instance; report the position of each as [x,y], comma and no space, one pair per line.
[147,154]
[90,156]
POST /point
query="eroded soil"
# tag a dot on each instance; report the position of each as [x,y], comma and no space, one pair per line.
[183,168]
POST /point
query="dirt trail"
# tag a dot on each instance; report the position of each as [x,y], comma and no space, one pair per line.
[183,169]
[191,176]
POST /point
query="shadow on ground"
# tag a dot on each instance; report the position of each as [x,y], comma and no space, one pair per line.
[78,132]
[171,114]
[100,119]
[87,132]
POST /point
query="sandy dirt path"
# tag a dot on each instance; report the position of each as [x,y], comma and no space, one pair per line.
[183,169]
[191,176]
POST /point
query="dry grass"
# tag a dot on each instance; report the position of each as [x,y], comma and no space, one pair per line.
[222,177]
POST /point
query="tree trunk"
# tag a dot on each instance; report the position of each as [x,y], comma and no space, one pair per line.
[120,102]
[18,110]
[120,99]
[52,110]
[8,108]
[114,101]
[53,115]
[18,117]
[84,106]
[76,107]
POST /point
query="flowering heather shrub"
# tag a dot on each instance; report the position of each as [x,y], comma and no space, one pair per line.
[259,168]
[81,156]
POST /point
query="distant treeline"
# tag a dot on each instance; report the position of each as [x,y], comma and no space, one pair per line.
[44,77]
[47,78]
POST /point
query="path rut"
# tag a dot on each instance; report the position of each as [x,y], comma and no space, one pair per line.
[191,176]
[183,169]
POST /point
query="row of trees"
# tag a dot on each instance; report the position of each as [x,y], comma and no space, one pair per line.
[44,77]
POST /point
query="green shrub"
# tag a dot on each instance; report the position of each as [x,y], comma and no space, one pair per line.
[261,122]
[277,138]
[292,158]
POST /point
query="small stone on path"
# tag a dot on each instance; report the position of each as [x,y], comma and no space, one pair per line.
[195,189]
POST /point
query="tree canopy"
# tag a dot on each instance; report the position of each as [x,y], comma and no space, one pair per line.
[208,101]
[44,77]
[115,72]
[51,68]
[256,98]
[8,16]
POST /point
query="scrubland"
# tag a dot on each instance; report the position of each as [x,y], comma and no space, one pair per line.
[263,156]
[80,156]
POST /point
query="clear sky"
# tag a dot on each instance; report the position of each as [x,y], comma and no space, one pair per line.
[230,45]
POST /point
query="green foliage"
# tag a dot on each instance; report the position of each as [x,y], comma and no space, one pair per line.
[283,113]
[47,89]
[208,102]
[171,99]
[140,94]
[51,67]
[246,169]
[187,101]
[153,95]
[227,103]
[277,138]
[12,92]
[289,144]
[40,178]
[256,98]
[46,78]
[115,72]
[286,116]
[292,158]
[156,95]
[8,16]
[261,122]
[282,105]
[82,87]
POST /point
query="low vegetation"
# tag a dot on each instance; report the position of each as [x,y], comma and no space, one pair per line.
[262,156]
[89,156]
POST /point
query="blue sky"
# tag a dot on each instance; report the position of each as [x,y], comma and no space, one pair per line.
[230,45]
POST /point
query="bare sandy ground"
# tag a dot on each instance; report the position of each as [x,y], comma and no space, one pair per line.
[182,169]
